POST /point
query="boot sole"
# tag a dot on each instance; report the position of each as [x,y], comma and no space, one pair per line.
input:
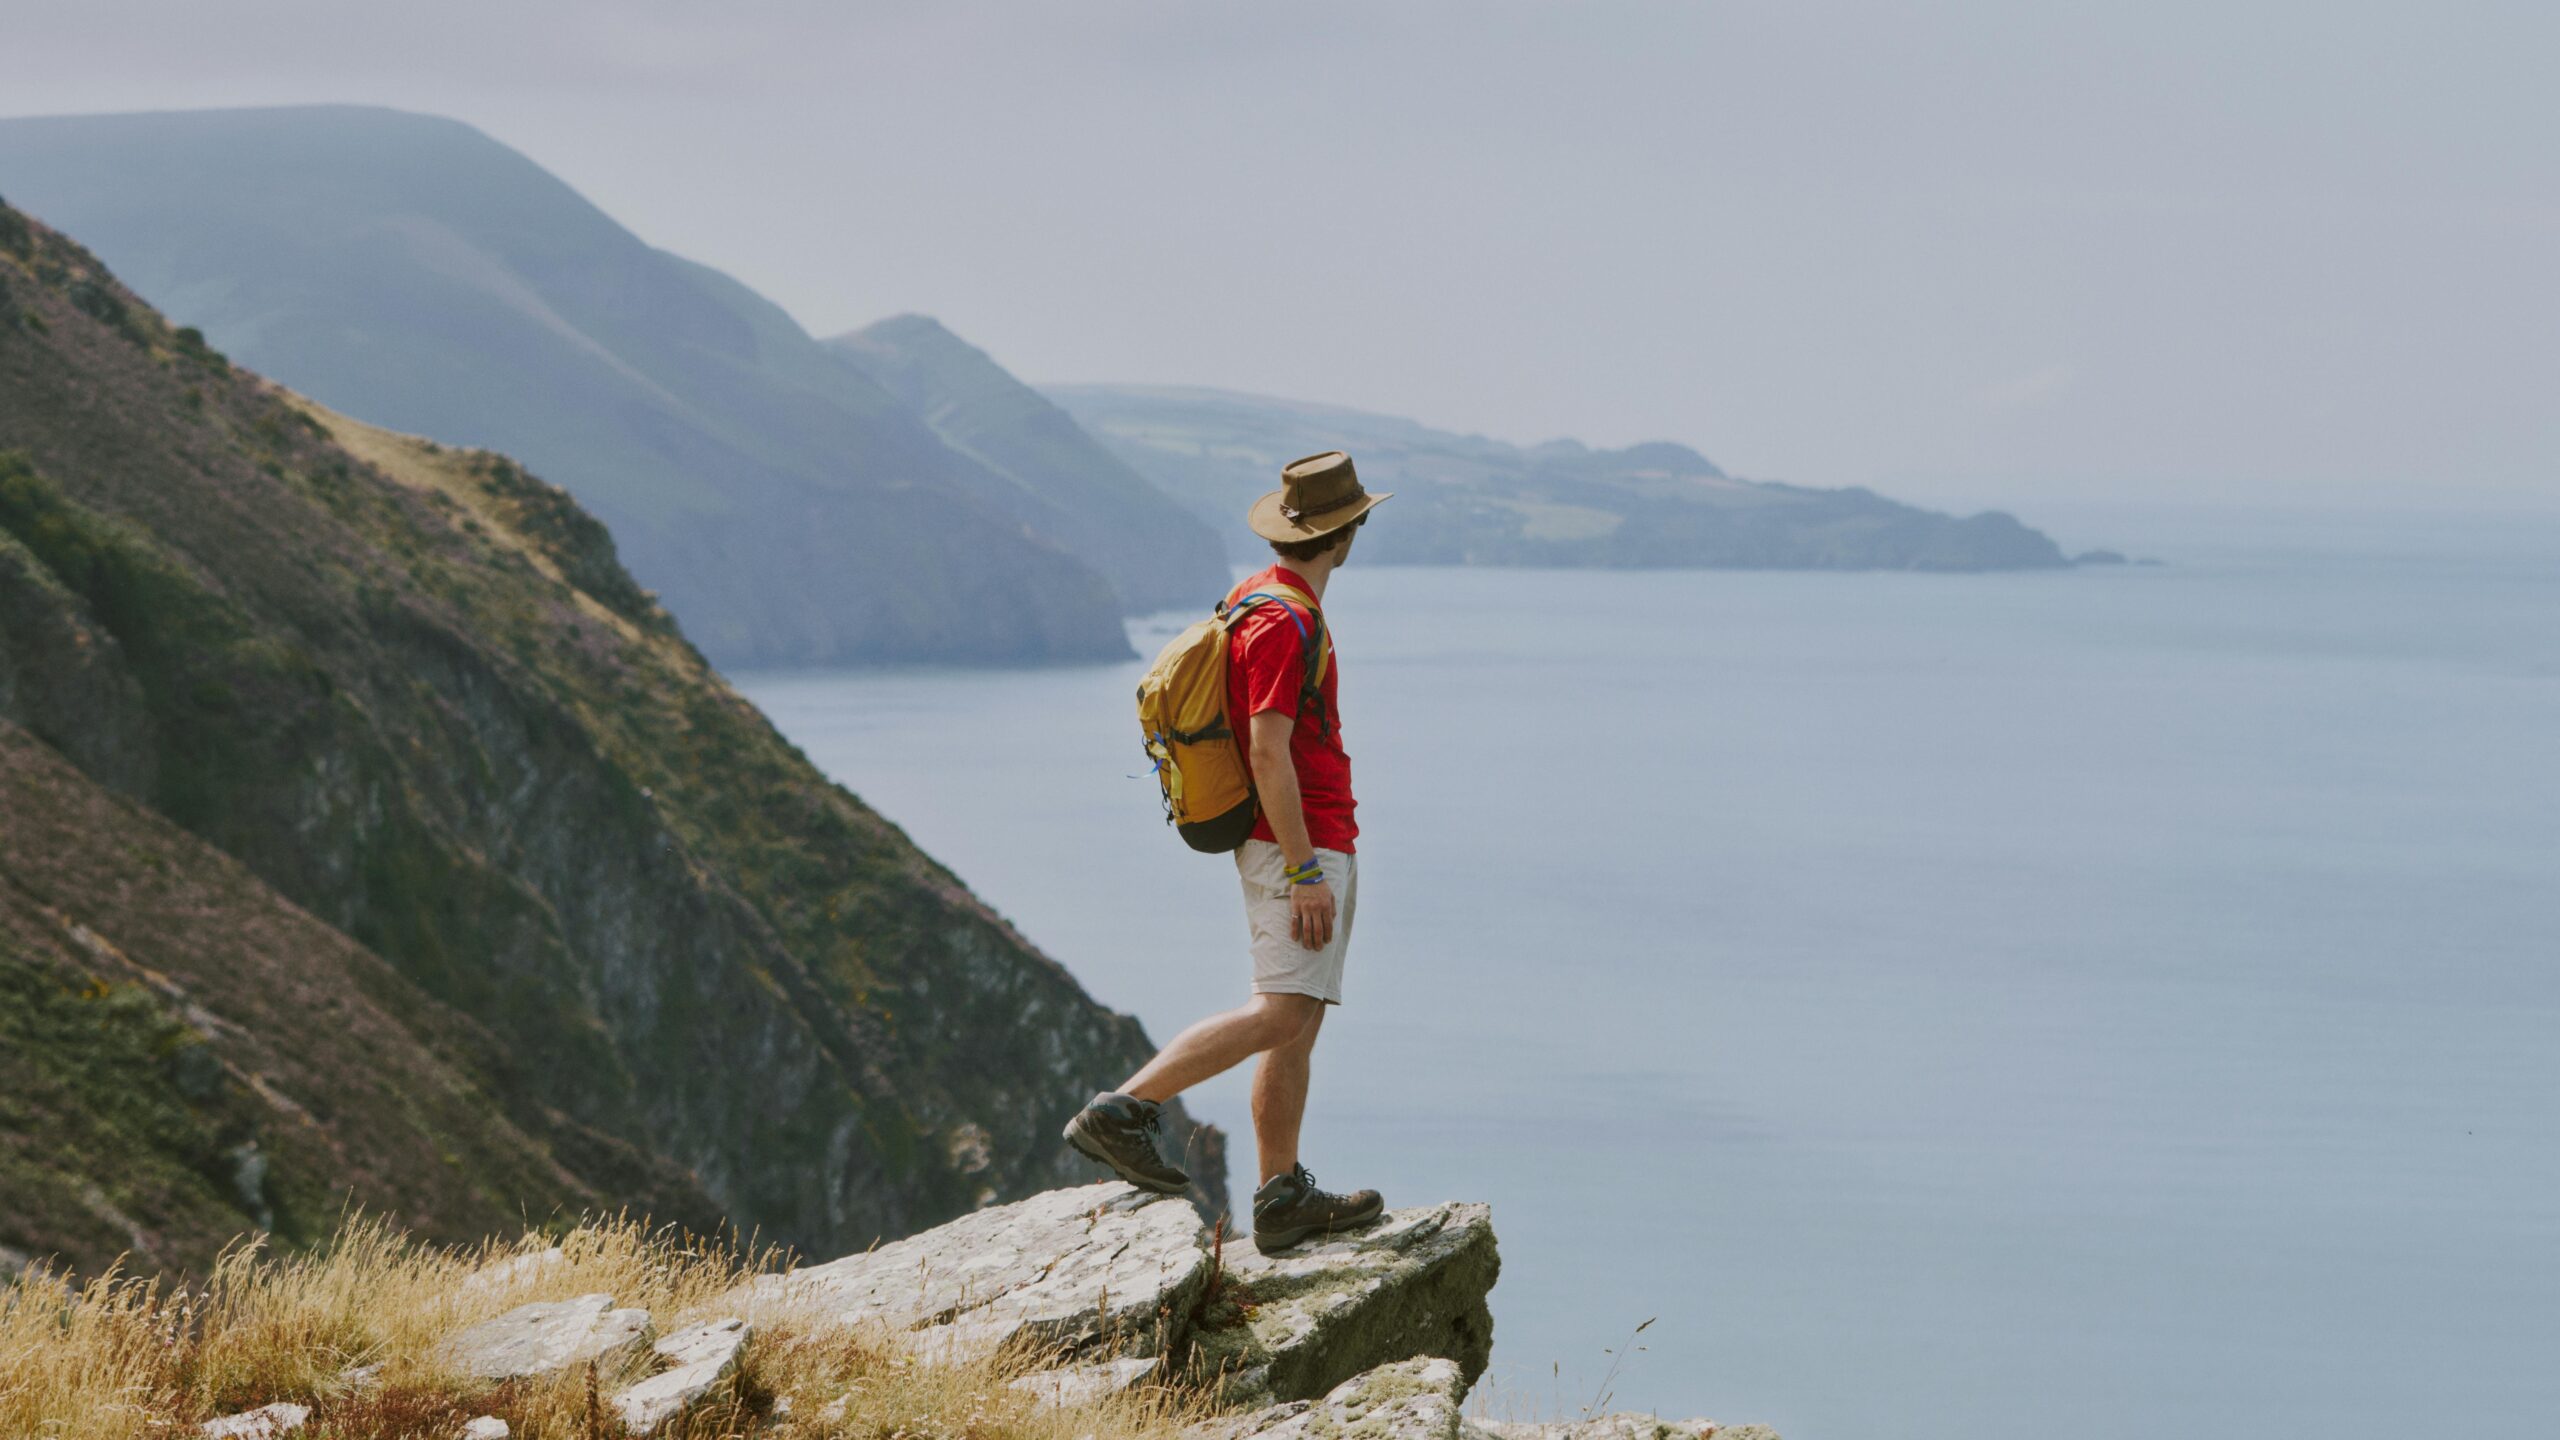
[1276,1241]
[1092,1150]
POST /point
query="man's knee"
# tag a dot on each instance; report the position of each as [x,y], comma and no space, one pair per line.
[1287,1020]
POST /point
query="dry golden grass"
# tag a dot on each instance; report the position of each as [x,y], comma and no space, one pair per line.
[122,1358]
[422,464]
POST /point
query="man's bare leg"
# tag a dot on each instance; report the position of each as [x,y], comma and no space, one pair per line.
[1280,1099]
[1218,1044]
[1287,1206]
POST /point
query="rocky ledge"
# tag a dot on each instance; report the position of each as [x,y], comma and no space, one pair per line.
[1379,1333]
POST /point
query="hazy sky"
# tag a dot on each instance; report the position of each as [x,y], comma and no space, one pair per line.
[1965,252]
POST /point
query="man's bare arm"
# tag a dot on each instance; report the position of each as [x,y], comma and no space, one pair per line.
[1275,782]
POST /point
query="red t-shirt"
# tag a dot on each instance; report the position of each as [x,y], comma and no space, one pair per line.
[1266,669]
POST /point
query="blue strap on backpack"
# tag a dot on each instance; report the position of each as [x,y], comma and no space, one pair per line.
[1309,697]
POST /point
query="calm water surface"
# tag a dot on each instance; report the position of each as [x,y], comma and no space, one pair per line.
[2123,1002]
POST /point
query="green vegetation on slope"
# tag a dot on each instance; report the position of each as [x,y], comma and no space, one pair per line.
[184,1055]
[101,1083]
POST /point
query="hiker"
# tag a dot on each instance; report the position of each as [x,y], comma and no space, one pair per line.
[1297,867]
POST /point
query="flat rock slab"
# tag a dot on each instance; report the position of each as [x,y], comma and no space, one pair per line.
[1414,1284]
[264,1423]
[514,1269]
[1624,1425]
[486,1427]
[1069,1268]
[698,1358]
[1080,1384]
[1409,1400]
[546,1336]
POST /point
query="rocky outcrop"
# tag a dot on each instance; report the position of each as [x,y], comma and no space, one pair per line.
[545,1336]
[267,1422]
[1620,1426]
[1312,1317]
[1076,1384]
[1111,1269]
[1073,1298]
[1411,1400]
[698,1359]
[1421,1400]
[1099,1266]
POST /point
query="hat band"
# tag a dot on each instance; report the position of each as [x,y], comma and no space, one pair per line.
[1294,514]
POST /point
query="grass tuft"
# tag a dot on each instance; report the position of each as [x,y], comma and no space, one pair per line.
[354,1329]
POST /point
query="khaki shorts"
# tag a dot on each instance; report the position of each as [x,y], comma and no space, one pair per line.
[1281,965]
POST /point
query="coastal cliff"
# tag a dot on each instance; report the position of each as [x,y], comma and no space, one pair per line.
[1471,500]
[414,720]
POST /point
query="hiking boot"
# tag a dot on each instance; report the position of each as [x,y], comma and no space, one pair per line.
[1289,1208]
[1121,1131]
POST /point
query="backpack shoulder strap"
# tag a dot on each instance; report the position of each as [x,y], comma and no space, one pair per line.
[1308,617]
[1302,611]
[1320,645]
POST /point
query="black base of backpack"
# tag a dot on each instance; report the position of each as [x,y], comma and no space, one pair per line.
[1222,833]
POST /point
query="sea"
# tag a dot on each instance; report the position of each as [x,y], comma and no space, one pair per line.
[2114,1002]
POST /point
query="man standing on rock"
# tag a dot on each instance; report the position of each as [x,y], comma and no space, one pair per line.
[1300,876]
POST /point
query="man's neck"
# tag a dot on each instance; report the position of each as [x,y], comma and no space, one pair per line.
[1310,574]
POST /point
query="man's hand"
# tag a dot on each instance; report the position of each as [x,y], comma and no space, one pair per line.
[1275,778]
[1311,914]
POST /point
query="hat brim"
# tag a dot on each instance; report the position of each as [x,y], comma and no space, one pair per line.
[1270,524]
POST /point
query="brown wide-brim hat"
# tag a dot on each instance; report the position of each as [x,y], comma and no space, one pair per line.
[1318,495]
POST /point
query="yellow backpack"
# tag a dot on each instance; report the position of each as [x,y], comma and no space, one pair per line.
[1182,714]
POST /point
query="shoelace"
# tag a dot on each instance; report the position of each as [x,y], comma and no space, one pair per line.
[1152,1122]
[1307,1191]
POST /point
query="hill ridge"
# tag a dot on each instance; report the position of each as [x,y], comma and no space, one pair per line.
[1059,480]
[415,272]
[1474,500]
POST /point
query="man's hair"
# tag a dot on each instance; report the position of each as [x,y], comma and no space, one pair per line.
[1304,550]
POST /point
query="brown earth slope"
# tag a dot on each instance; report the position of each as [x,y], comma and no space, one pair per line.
[184,1054]
[413,691]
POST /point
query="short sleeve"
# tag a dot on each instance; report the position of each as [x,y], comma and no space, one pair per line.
[1273,659]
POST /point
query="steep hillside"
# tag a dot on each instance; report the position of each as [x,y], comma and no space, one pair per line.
[1061,482]
[412,272]
[185,1055]
[1467,500]
[411,689]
